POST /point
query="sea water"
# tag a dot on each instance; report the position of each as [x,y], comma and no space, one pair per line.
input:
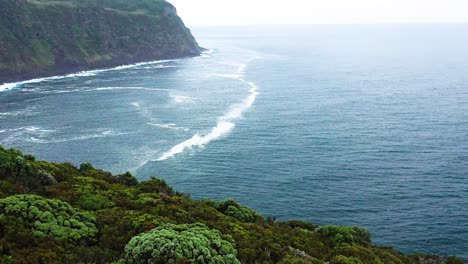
[347,125]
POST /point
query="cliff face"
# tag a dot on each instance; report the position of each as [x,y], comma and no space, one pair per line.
[45,37]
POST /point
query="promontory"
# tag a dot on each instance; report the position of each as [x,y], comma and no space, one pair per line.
[41,38]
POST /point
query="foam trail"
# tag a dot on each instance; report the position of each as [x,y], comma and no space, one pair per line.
[223,127]
[168,126]
[9,86]
[128,88]
[100,134]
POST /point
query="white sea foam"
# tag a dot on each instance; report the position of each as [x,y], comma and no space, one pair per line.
[239,75]
[9,86]
[136,104]
[29,111]
[229,76]
[223,127]
[98,134]
[112,88]
[205,54]
[168,126]
[180,99]
[24,133]
[160,67]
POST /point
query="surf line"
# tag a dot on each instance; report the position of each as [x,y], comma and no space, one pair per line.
[9,86]
[224,125]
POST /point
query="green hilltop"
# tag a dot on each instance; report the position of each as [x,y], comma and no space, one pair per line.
[48,37]
[59,213]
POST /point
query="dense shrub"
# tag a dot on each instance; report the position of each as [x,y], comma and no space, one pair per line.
[49,217]
[232,208]
[345,260]
[171,243]
[345,234]
[453,260]
[127,179]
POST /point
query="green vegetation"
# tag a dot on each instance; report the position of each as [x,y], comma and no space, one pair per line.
[171,243]
[58,213]
[45,37]
[232,208]
[48,217]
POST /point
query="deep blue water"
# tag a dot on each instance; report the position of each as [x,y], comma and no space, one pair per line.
[349,125]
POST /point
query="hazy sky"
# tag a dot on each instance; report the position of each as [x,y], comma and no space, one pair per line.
[242,12]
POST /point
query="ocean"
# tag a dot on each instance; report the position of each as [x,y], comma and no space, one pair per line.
[333,124]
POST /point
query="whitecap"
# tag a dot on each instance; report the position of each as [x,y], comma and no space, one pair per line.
[136,104]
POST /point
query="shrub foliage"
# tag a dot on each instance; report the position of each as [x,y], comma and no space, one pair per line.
[49,217]
[171,243]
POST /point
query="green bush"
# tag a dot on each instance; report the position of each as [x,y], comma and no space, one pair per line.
[49,217]
[345,234]
[127,179]
[231,207]
[171,243]
[345,260]
[453,260]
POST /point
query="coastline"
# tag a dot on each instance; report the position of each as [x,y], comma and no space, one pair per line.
[8,83]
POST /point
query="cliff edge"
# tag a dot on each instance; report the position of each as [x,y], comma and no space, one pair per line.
[43,37]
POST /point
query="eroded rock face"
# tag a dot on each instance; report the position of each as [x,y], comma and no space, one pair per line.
[41,37]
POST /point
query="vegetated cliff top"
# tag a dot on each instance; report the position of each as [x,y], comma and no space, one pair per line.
[59,213]
[45,37]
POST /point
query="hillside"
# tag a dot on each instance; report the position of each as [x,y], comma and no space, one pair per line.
[58,213]
[49,37]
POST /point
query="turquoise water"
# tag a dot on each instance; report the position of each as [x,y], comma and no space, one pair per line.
[349,125]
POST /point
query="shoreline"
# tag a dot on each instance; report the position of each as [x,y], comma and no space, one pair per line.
[14,82]
[65,71]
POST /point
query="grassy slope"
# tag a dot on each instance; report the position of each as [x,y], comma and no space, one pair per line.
[124,207]
[39,37]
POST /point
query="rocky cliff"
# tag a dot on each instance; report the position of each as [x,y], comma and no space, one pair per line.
[44,37]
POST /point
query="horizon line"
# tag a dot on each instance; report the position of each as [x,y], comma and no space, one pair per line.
[465,23]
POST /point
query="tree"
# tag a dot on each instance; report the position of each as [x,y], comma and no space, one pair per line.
[185,243]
